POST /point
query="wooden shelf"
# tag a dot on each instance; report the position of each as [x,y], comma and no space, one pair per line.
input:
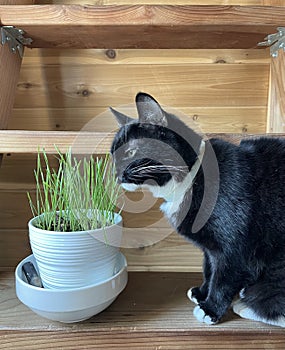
[144,26]
[22,141]
[82,142]
[152,312]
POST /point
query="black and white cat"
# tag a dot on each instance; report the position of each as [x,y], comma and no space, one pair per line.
[228,200]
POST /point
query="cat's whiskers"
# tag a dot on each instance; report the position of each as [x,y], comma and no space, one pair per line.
[161,169]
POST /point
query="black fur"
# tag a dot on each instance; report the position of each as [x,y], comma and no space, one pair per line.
[244,238]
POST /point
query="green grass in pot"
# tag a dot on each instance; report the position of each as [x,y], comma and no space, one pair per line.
[78,195]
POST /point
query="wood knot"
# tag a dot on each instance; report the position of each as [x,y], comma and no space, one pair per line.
[220,61]
[111,54]
[84,92]
[195,117]
[25,85]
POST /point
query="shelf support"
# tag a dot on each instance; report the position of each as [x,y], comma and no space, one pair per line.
[276,93]
[10,64]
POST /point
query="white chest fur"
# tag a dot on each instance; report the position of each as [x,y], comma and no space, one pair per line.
[173,201]
[173,192]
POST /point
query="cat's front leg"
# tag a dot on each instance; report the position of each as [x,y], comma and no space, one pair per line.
[198,294]
[222,289]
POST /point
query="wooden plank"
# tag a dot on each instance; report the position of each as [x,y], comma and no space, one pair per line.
[10,65]
[12,179]
[203,119]
[21,141]
[19,340]
[14,246]
[43,57]
[159,26]
[168,2]
[17,2]
[276,103]
[151,302]
[171,254]
[207,85]
[15,141]
[9,71]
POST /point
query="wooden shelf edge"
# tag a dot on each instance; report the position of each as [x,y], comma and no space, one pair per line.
[82,142]
[144,26]
[22,141]
[151,302]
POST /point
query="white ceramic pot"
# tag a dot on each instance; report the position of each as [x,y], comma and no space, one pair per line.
[71,305]
[75,259]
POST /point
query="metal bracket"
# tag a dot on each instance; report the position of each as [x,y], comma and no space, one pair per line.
[14,37]
[275,41]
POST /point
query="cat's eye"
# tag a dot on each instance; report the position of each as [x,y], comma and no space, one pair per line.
[131,152]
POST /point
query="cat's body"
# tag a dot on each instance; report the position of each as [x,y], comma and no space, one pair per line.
[240,189]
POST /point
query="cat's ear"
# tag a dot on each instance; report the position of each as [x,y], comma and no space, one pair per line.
[149,110]
[122,119]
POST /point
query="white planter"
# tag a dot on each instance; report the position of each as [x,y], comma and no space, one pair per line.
[71,305]
[76,259]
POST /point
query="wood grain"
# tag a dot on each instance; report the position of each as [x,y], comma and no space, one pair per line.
[153,306]
[17,2]
[151,302]
[167,2]
[72,57]
[15,141]
[84,142]
[207,85]
[157,26]
[140,341]
[10,64]
[83,84]
[202,119]
[9,72]
[276,104]
[173,253]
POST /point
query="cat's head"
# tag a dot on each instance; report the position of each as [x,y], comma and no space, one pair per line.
[154,149]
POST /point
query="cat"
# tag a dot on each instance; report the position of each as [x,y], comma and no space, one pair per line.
[238,193]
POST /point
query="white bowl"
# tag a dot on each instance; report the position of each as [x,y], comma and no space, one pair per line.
[71,305]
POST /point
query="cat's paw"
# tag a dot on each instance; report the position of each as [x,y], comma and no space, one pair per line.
[204,316]
[195,295]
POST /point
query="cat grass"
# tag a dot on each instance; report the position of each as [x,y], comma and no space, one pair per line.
[79,195]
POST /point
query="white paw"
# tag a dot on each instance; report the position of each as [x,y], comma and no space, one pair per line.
[201,316]
[191,297]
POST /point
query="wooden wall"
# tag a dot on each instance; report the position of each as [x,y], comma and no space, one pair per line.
[212,90]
